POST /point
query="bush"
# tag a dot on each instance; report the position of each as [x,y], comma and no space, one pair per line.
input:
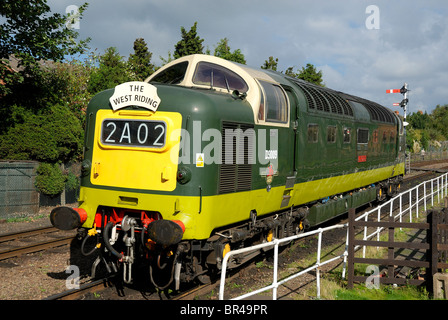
[50,180]
[55,135]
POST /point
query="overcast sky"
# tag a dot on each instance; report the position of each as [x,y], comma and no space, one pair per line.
[361,50]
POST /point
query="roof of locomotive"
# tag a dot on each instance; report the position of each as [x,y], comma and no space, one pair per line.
[242,79]
[245,80]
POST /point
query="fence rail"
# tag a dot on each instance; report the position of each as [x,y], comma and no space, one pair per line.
[276,242]
[426,156]
[391,261]
[426,193]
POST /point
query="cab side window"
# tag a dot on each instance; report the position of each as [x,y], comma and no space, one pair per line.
[172,75]
[313,133]
[215,76]
[274,104]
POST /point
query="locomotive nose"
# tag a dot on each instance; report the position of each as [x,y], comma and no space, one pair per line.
[65,218]
[166,232]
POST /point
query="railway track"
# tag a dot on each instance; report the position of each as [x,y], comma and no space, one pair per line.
[99,285]
[35,246]
[73,294]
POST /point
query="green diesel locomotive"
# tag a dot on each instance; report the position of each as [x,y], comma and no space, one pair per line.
[207,155]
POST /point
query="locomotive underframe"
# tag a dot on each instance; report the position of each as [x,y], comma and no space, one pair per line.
[123,243]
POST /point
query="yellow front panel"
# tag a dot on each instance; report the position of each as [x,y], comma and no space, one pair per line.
[137,167]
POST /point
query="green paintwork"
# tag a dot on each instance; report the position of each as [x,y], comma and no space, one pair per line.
[322,165]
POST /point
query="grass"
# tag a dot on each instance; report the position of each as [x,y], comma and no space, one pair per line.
[333,287]
[26,218]
[386,292]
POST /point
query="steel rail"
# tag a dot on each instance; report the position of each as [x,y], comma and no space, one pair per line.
[27,233]
[73,294]
[35,247]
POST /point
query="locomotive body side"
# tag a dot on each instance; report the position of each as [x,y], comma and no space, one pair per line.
[224,156]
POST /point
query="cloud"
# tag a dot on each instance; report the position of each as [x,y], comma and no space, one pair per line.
[410,45]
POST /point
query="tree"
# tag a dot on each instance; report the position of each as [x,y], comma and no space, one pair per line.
[112,71]
[31,40]
[419,120]
[440,119]
[310,74]
[190,43]
[30,32]
[290,72]
[270,64]
[222,50]
[140,61]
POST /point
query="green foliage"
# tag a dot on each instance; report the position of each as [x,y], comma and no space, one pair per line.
[386,292]
[34,37]
[140,61]
[271,64]
[74,76]
[190,43]
[51,84]
[8,77]
[50,180]
[419,120]
[72,181]
[112,71]
[440,119]
[166,60]
[424,129]
[30,33]
[54,135]
[308,73]
[222,50]
[38,33]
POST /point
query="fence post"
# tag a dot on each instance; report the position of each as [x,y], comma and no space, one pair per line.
[319,251]
[434,255]
[432,192]
[417,200]
[275,275]
[351,247]
[391,250]
[424,196]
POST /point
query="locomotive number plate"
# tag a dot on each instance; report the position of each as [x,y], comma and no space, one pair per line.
[135,133]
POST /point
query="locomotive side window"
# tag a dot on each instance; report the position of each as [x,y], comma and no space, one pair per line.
[172,75]
[384,137]
[331,134]
[274,103]
[375,136]
[363,135]
[215,76]
[313,133]
[392,137]
[347,135]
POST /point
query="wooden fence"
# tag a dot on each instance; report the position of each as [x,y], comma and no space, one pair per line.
[435,248]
